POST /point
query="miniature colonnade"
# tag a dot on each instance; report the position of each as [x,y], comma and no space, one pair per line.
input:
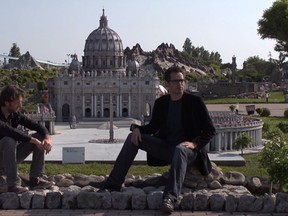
[229,126]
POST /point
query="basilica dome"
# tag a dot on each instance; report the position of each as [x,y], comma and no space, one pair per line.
[103,48]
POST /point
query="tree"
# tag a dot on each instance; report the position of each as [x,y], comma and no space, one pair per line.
[14,51]
[256,69]
[274,158]
[274,25]
[242,142]
[187,46]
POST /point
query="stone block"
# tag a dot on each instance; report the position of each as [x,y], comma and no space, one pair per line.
[231,203]
[53,200]
[250,203]
[217,202]
[187,201]
[9,201]
[121,201]
[201,202]
[139,201]
[268,203]
[154,200]
[69,200]
[26,199]
[92,200]
[38,200]
[282,202]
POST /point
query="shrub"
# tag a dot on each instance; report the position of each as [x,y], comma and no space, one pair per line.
[283,127]
[242,142]
[266,127]
[274,159]
[265,112]
[286,113]
[274,133]
[232,107]
[259,111]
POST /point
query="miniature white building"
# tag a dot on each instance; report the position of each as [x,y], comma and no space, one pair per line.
[105,81]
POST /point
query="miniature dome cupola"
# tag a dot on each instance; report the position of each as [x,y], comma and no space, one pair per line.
[75,64]
[103,20]
[133,65]
[103,49]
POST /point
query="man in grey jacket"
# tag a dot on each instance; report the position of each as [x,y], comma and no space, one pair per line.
[16,145]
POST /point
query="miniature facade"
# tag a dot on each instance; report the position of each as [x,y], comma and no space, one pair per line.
[104,84]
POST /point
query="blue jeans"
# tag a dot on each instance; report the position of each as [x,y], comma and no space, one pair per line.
[179,157]
[13,152]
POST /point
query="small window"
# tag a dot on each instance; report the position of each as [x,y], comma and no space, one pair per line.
[147,82]
[65,82]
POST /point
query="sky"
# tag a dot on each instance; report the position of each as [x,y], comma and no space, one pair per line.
[51,29]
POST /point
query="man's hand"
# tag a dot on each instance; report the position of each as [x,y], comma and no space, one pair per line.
[189,145]
[47,144]
[37,143]
[136,136]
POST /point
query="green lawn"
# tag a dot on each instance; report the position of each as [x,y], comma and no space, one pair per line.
[251,169]
[275,97]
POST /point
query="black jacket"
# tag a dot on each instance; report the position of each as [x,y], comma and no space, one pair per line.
[9,127]
[197,124]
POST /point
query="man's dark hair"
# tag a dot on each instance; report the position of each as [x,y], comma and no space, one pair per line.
[10,93]
[172,69]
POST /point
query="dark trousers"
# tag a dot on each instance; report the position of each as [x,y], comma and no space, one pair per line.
[179,157]
[13,152]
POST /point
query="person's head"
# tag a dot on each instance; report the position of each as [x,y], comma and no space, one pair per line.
[175,81]
[172,70]
[11,97]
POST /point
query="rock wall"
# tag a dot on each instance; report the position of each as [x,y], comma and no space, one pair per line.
[217,192]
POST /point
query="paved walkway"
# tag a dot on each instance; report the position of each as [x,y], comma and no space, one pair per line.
[91,212]
[106,152]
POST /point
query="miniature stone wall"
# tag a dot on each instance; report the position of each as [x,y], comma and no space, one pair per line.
[230,192]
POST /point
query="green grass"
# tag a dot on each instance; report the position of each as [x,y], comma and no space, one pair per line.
[275,97]
[99,169]
[252,168]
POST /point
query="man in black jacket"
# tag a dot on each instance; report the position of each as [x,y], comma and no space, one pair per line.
[16,145]
[179,130]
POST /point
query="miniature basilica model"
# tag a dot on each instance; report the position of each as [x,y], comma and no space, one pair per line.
[106,83]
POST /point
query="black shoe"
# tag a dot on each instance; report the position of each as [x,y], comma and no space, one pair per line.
[167,206]
[17,189]
[39,183]
[97,184]
[105,186]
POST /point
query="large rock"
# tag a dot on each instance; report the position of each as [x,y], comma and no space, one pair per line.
[233,178]
[163,57]
[25,62]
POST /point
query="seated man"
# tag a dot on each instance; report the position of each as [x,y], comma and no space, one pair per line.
[16,145]
[177,134]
